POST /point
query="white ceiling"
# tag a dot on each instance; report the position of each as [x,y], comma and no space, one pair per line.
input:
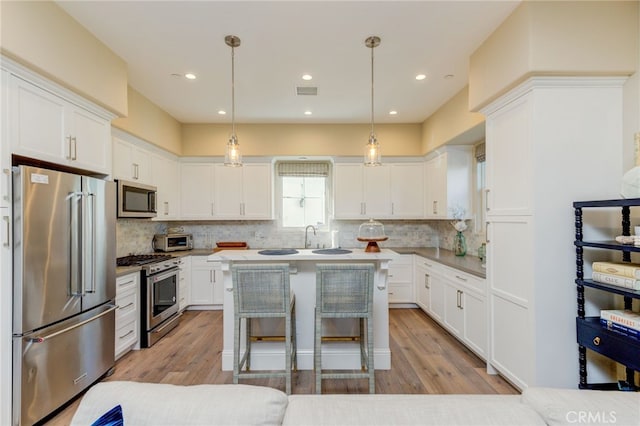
[283,40]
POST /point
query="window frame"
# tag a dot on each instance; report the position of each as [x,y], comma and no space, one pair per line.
[278,192]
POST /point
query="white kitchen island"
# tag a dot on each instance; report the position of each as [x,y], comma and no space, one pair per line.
[269,355]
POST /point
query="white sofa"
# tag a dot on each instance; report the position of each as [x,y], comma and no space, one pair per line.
[164,404]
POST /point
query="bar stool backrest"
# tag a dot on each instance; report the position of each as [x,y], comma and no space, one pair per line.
[261,288]
[344,289]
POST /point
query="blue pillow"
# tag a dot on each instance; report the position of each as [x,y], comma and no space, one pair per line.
[112,417]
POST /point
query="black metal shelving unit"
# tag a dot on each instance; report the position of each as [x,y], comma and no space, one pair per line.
[590,333]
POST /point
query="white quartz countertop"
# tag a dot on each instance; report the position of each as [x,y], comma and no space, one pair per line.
[303,254]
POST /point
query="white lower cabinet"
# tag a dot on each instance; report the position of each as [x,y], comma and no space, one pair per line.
[422,285]
[206,282]
[127,314]
[437,297]
[400,283]
[455,299]
[184,286]
[475,325]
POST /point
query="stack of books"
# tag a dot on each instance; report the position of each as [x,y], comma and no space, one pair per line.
[625,322]
[626,275]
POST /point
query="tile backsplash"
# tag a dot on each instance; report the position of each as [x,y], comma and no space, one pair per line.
[135,235]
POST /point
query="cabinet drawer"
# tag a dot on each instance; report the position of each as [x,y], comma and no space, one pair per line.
[126,304]
[609,343]
[127,283]
[465,280]
[200,261]
[429,264]
[400,293]
[126,334]
[400,273]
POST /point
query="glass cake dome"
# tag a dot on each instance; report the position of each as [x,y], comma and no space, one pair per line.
[372,232]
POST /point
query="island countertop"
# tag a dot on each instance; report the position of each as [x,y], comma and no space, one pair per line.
[302,255]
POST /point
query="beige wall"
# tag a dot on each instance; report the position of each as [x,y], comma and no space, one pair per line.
[150,123]
[300,139]
[555,38]
[450,122]
[43,37]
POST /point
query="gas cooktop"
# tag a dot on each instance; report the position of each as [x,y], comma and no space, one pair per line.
[141,259]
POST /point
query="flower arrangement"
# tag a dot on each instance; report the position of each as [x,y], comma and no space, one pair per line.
[459,243]
[458,214]
[460,225]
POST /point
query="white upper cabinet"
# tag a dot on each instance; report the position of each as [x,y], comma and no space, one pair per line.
[165,175]
[243,192]
[389,191]
[510,180]
[5,152]
[49,127]
[407,190]
[348,191]
[131,162]
[196,183]
[448,178]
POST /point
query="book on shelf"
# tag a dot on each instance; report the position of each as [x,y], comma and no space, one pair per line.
[617,280]
[629,270]
[620,329]
[626,318]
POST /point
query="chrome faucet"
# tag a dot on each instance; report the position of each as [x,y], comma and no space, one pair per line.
[306,230]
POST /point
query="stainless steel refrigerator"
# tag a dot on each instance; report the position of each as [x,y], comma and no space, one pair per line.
[63,288]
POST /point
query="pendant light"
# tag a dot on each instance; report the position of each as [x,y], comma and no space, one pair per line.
[232,156]
[372,150]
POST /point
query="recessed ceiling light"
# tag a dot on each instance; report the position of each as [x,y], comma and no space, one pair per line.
[393,112]
[222,112]
[308,113]
[190,76]
[307,77]
[421,76]
[449,76]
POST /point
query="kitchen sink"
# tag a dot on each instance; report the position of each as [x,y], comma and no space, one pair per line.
[278,252]
[332,251]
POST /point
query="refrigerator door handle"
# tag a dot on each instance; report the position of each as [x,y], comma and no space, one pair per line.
[89,242]
[75,264]
[41,339]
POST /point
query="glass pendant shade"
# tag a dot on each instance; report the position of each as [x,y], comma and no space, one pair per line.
[372,152]
[232,156]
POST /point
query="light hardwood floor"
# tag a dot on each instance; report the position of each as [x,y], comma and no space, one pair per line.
[424,359]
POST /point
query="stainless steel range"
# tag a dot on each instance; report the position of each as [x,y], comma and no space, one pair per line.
[158,295]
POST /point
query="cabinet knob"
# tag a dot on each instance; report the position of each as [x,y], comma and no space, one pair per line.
[596,340]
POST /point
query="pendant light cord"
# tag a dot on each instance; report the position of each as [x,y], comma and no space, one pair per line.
[233,92]
[372,132]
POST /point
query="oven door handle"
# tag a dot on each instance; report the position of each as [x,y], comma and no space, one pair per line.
[164,274]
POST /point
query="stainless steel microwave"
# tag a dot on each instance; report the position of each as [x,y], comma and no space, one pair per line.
[172,242]
[136,200]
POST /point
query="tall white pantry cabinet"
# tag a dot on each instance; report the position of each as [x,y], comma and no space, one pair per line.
[550,141]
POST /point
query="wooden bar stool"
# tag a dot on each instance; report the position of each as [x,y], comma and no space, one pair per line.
[263,291]
[345,290]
